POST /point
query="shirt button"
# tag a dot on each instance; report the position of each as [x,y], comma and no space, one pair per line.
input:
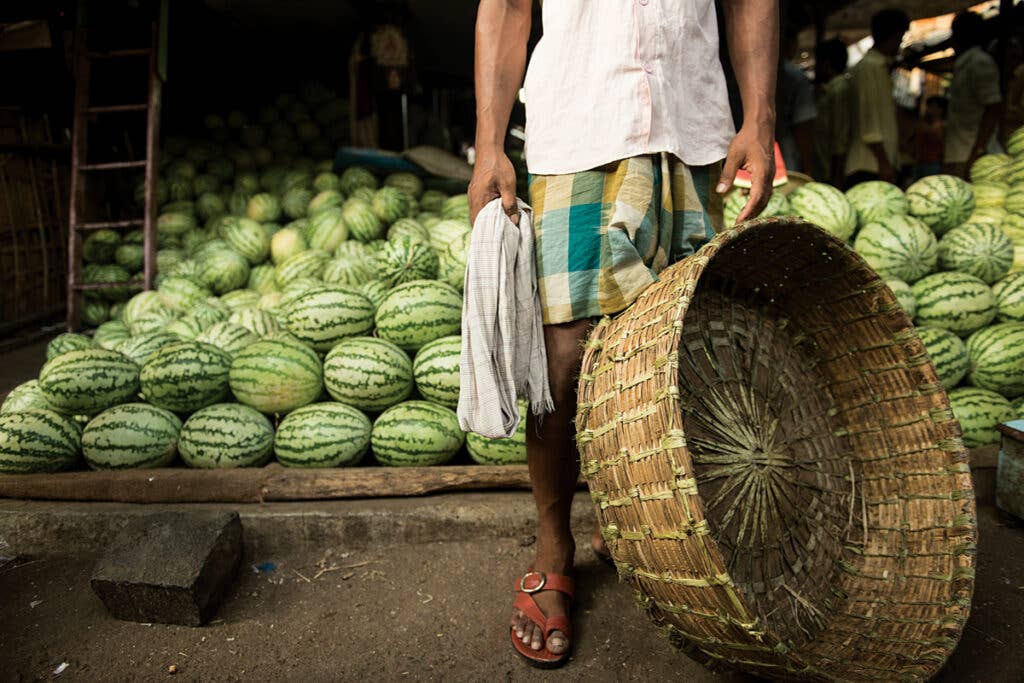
[644,2]
[647,67]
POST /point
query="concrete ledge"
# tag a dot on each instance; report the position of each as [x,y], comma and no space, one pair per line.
[41,528]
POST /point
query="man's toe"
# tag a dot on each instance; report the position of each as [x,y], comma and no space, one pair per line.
[557,643]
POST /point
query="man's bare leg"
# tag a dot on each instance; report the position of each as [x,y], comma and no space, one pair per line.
[554,469]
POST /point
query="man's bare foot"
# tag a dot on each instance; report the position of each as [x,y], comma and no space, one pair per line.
[554,555]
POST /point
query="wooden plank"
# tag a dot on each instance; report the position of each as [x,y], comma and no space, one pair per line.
[256,485]
[984,457]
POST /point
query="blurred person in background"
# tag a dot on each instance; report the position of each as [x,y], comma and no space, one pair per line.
[975,102]
[929,137]
[795,110]
[835,103]
[874,141]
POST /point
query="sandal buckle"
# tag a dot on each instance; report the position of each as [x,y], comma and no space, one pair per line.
[542,579]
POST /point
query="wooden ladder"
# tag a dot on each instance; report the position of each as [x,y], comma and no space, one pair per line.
[81,169]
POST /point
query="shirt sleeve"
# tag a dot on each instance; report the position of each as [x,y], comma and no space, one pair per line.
[984,80]
[869,85]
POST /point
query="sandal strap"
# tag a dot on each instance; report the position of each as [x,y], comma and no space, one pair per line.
[535,582]
[558,624]
[526,604]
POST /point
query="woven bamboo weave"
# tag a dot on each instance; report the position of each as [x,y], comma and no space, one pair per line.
[775,465]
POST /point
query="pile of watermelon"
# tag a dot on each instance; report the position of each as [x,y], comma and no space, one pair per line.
[953,254]
[300,314]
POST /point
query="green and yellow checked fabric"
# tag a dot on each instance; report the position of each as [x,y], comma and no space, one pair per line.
[603,235]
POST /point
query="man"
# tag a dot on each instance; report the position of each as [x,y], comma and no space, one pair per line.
[627,121]
[832,127]
[975,103]
[795,110]
[875,142]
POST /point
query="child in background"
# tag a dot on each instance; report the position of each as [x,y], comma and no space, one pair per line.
[928,137]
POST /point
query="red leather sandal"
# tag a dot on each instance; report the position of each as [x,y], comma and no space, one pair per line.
[526,586]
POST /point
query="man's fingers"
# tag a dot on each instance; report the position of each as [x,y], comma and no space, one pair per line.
[509,204]
[760,192]
[729,169]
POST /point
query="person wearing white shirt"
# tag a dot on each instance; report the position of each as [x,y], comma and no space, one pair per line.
[630,145]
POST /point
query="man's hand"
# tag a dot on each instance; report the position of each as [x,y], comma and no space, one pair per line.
[751,150]
[493,176]
[886,171]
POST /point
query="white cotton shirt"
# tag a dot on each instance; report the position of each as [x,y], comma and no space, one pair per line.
[975,86]
[613,79]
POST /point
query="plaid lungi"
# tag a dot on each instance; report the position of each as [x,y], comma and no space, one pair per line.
[603,235]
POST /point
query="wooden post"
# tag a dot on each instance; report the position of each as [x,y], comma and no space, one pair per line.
[152,150]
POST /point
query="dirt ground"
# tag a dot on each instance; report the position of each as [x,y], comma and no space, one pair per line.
[414,612]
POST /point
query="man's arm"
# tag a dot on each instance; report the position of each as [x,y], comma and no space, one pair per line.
[752,27]
[502,31]
[989,121]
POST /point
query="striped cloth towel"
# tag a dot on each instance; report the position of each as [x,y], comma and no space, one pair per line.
[503,352]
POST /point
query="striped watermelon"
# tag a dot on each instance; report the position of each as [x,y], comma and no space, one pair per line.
[990,168]
[429,220]
[390,204]
[948,354]
[368,373]
[229,337]
[408,183]
[259,322]
[1009,294]
[178,293]
[322,435]
[405,259]
[131,257]
[186,376]
[141,347]
[86,381]
[375,291]
[133,435]
[110,334]
[418,312]
[408,227]
[326,181]
[452,266]
[276,376]
[141,304]
[95,312]
[876,199]
[1015,142]
[432,201]
[436,371]
[184,329]
[904,295]
[263,208]
[1018,407]
[327,229]
[979,411]
[510,451]
[958,302]
[69,341]
[363,224]
[295,202]
[33,441]
[456,206]
[150,322]
[175,223]
[354,177]
[1014,200]
[364,194]
[324,317]
[447,231]
[240,299]
[210,205]
[997,359]
[416,434]
[100,246]
[899,247]
[262,279]
[349,272]
[941,201]
[286,243]
[248,238]
[1013,226]
[296,288]
[989,196]
[354,251]
[778,205]
[271,303]
[328,199]
[25,396]
[226,435]
[826,207]
[980,249]
[309,264]
[223,270]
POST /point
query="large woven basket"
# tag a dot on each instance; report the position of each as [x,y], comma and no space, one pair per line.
[775,465]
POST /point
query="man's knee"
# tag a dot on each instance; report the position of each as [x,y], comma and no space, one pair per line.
[564,346]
